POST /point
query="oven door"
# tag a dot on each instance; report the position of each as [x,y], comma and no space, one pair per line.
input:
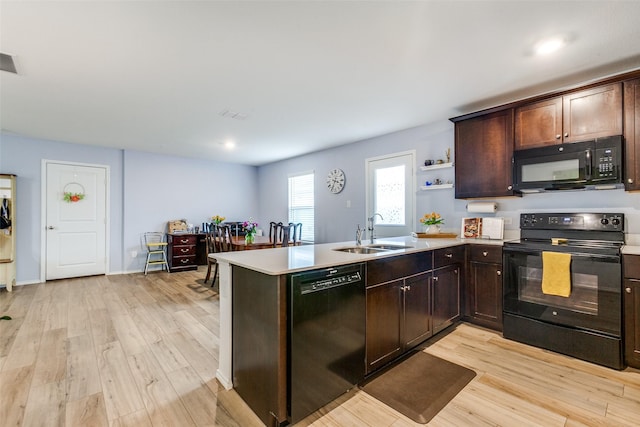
[595,299]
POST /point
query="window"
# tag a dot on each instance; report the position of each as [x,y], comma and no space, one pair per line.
[301,203]
[391,193]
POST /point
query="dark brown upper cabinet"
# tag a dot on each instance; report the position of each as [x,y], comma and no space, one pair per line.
[484,151]
[577,116]
[632,134]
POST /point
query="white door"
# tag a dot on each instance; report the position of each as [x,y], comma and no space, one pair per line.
[391,194]
[75,225]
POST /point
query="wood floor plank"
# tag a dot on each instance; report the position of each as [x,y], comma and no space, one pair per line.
[88,411]
[160,398]
[46,405]
[15,385]
[120,392]
[51,362]
[83,376]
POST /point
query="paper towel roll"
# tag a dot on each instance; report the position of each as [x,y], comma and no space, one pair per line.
[482,207]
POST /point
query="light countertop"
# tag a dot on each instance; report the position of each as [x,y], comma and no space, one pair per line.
[291,259]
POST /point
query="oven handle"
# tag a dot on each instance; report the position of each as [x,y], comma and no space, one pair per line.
[614,258]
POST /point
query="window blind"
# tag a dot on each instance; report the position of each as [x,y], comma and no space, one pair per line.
[301,204]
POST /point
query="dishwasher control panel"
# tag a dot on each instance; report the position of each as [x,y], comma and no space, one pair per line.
[330,282]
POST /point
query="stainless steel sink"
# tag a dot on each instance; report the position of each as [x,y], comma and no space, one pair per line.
[360,250]
[388,246]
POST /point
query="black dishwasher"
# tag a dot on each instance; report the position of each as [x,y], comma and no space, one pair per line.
[326,336]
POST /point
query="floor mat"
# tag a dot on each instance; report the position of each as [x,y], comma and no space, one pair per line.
[420,386]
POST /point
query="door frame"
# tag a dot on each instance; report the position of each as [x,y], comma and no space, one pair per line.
[43,211]
[411,184]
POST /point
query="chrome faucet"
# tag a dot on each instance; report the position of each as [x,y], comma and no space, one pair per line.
[359,232]
[370,228]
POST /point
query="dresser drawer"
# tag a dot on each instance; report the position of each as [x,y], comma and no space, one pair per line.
[183,261]
[448,256]
[185,240]
[183,250]
[485,253]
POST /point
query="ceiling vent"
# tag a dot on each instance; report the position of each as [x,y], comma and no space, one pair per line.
[7,64]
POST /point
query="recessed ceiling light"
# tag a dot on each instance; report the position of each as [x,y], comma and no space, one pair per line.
[229,145]
[548,46]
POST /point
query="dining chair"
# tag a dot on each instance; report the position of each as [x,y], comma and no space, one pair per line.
[211,249]
[155,244]
[274,232]
[285,234]
[296,233]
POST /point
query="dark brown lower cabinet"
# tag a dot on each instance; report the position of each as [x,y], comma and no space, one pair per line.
[398,318]
[631,319]
[484,286]
[445,297]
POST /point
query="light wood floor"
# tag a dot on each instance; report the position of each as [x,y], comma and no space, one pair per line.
[132,350]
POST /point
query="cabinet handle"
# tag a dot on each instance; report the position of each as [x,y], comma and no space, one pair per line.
[184,241]
[558,136]
[184,261]
[627,290]
[435,279]
[510,187]
[408,288]
[449,255]
[51,227]
[566,135]
[630,181]
[184,251]
[485,253]
[499,273]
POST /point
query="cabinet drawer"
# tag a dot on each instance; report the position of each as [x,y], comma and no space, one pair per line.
[184,240]
[183,261]
[183,250]
[448,256]
[485,253]
[388,269]
[631,264]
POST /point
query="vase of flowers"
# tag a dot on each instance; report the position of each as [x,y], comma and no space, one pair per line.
[217,219]
[250,227]
[432,222]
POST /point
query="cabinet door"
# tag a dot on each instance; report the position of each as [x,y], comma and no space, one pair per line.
[592,113]
[539,124]
[485,294]
[446,297]
[632,134]
[417,318]
[484,151]
[384,309]
[632,322]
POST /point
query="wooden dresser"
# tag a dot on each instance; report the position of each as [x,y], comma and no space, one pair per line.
[186,251]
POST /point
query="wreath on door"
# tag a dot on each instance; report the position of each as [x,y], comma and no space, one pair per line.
[73,192]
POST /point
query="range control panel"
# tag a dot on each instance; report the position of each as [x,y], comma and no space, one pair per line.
[573,221]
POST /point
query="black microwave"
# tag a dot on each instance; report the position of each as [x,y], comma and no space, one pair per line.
[593,164]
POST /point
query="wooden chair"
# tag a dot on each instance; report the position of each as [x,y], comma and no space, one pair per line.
[218,240]
[155,244]
[296,233]
[274,232]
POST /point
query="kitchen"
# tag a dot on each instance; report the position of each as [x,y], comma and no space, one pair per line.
[132,213]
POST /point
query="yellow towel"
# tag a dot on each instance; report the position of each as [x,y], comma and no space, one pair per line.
[556,275]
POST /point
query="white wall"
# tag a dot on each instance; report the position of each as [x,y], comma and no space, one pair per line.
[336,222]
[147,190]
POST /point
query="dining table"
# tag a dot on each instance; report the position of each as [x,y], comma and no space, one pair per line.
[238,243]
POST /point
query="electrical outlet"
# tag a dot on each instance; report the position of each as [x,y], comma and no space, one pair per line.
[134,254]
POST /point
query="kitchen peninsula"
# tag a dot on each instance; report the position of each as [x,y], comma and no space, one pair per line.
[255,329]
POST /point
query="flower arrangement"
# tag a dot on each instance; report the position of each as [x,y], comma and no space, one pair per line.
[250,228]
[73,197]
[217,219]
[432,219]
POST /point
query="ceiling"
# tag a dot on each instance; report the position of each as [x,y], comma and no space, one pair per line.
[281,79]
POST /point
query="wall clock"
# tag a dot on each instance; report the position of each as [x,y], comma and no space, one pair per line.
[335,181]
